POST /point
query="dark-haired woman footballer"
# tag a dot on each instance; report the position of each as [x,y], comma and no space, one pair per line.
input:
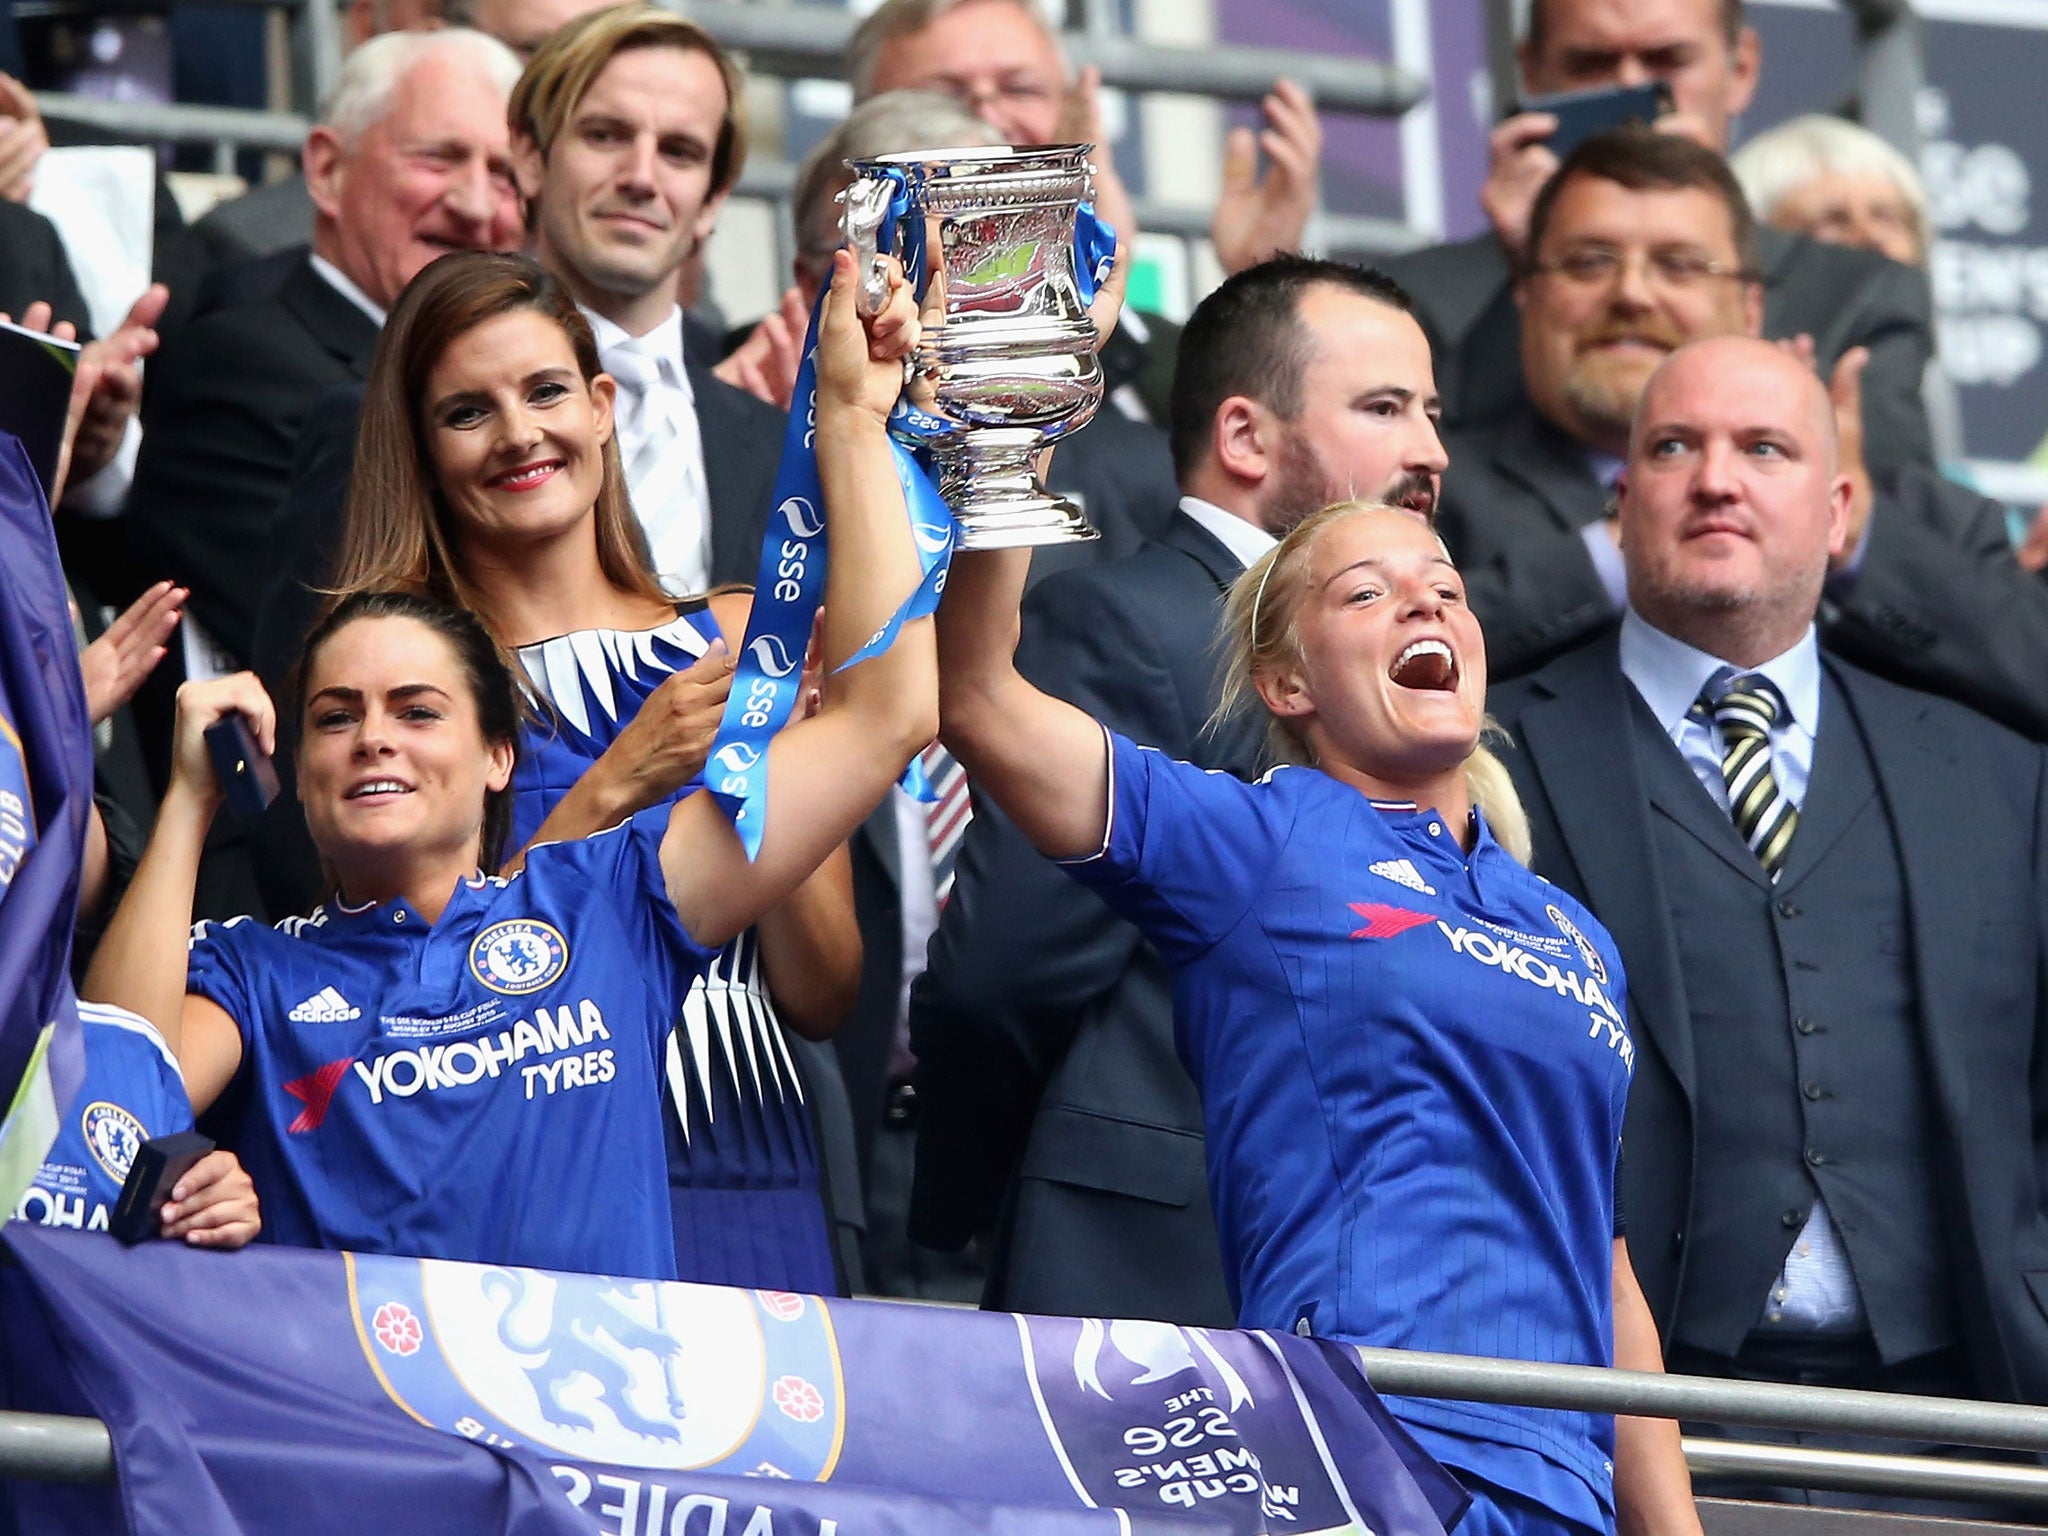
[488,474]
[446,1062]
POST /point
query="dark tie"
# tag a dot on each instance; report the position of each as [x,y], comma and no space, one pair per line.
[1759,809]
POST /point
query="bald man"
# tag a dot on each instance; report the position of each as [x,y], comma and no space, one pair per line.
[1642,242]
[1826,889]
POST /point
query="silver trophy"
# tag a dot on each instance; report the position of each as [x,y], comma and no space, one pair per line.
[1006,364]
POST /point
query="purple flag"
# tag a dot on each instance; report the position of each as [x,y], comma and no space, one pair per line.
[45,793]
[406,1396]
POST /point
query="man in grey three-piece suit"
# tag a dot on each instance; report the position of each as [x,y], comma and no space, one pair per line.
[1828,891]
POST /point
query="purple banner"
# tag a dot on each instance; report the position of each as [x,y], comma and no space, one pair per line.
[45,796]
[411,1396]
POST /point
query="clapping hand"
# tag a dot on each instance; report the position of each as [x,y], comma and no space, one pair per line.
[117,393]
[1261,215]
[106,389]
[23,139]
[765,364]
[116,664]
[1080,122]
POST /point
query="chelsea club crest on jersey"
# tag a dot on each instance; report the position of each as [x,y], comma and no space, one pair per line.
[114,1136]
[638,1373]
[519,956]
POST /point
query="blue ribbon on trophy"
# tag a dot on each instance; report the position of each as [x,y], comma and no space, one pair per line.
[790,585]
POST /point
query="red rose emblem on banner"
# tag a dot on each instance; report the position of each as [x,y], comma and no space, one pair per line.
[799,1399]
[397,1329]
[784,1306]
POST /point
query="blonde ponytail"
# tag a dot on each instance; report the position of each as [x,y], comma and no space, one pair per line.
[1493,792]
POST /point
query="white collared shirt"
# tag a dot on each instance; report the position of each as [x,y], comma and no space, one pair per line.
[340,282]
[1670,675]
[1245,540]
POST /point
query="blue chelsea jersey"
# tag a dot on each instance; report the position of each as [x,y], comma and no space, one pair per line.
[1413,1064]
[486,1088]
[132,1091]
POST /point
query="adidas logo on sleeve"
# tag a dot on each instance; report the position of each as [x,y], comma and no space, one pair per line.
[326,1006]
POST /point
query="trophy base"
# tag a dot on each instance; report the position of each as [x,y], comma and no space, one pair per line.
[1020,525]
[989,477]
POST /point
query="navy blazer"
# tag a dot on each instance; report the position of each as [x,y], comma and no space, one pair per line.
[1054,1108]
[1968,806]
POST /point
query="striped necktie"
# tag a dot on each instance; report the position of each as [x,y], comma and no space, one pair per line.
[946,817]
[660,453]
[1759,809]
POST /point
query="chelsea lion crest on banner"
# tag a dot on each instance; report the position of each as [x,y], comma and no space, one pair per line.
[638,1373]
[519,956]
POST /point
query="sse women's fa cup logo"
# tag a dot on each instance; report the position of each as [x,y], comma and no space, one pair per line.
[1151,1416]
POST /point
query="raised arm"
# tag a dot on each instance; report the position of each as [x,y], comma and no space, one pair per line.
[826,773]
[1043,761]
[140,962]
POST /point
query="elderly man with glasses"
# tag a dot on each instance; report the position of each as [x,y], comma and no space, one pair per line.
[1641,243]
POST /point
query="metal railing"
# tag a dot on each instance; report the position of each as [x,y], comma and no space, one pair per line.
[1835,1410]
[79,1450]
[55,1448]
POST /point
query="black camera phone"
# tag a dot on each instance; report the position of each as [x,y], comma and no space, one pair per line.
[159,1163]
[247,776]
[1581,114]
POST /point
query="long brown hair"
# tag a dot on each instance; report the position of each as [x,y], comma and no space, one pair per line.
[397,535]
[1259,635]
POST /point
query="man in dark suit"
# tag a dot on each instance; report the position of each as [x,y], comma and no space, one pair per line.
[1710,60]
[412,160]
[1642,242]
[1055,1113]
[1827,890]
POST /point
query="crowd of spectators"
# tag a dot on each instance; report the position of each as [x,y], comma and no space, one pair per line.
[1769,693]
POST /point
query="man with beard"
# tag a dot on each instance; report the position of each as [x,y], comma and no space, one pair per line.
[1641,243]
[1051,1112]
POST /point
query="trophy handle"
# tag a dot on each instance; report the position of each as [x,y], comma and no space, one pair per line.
[866,203]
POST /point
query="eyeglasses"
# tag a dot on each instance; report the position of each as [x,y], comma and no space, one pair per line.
[1010,91]
[1595,266]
